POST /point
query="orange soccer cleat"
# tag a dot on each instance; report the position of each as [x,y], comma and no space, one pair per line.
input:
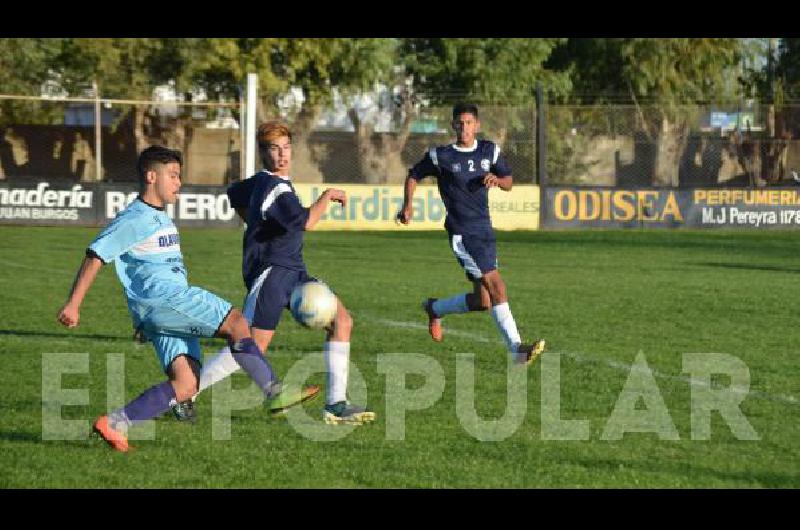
[115,439]
[434,322]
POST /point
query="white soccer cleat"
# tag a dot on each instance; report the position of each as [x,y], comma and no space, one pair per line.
[343,412]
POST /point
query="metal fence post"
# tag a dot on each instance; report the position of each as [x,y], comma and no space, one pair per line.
[98,134]
[541,153]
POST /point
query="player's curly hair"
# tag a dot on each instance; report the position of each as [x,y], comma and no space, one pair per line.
[156,154]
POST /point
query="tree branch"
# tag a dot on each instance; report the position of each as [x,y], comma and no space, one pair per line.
[639,112]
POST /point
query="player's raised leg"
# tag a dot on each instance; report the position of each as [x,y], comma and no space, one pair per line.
[501,313]
[436,308]
[247,354]
[179,358]
[218,368]
[223,364]
[286,396]
[338,409]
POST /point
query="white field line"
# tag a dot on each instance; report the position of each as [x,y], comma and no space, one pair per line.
[64,272]
[587,358]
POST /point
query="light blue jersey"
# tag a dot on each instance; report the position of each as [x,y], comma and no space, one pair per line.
[144,245]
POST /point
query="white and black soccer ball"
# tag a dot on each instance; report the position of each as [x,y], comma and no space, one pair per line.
[313,304]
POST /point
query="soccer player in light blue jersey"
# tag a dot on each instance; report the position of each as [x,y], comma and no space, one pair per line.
[272,266]
[144,245]
[464,172]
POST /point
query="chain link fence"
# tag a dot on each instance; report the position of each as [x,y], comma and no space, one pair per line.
[376,140]
[40,139]
[686,146]
[57,139]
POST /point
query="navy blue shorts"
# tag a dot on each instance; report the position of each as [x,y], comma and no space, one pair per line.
[270,295]
[477,255]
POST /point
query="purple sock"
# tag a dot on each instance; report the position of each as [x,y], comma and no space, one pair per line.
[249,357]
[151,403]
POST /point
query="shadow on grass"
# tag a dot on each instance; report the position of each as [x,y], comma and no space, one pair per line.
[17,436]
[750,267]
[48,335]
[36,439]
[695,472]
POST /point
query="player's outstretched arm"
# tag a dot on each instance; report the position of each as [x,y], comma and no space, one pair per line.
[407,211]
[504,183]
[70,314]
[321,204]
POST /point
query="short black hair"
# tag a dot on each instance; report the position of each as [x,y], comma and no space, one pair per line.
[156,154]
[461,108]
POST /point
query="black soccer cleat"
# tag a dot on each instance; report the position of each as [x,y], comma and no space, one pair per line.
[184,411]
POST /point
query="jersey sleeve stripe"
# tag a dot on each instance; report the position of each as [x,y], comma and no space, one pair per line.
[272,196]
[496,153]
[432,154]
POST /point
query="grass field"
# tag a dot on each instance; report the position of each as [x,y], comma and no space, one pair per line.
[600,298]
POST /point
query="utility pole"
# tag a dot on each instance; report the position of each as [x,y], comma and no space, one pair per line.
[770,89]
[541,153]
[98,134]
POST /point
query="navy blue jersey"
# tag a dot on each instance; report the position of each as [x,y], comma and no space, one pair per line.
[240,192]
[275,224]
[459,174]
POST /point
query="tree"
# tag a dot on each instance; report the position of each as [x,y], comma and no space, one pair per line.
[127,68]
[788,67]
[351,66]
[25,65]
[781,89]
[375,70]
[314,67]
[662,78]
[500,75]
[220,67]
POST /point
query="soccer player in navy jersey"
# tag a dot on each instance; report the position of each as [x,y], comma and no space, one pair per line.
[273,265]
[464,172]
[144,245]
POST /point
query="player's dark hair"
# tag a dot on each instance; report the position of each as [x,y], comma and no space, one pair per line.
[461,108]
[156,154]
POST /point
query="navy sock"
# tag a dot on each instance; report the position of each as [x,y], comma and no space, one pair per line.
[248,355]
[151,403]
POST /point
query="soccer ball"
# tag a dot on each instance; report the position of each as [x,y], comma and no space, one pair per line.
[313,304]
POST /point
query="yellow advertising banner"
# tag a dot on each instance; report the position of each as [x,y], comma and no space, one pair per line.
[371,207]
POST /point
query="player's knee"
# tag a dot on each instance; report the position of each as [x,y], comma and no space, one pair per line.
[234,321]
[496,288]
[489,283]
[185,388]
[237,318]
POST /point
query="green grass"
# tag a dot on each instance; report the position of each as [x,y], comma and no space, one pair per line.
[599,298]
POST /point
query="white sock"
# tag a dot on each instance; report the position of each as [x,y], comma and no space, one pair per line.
[217,369]
[119,421]
[337,361]
[502,316]
[448,306]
